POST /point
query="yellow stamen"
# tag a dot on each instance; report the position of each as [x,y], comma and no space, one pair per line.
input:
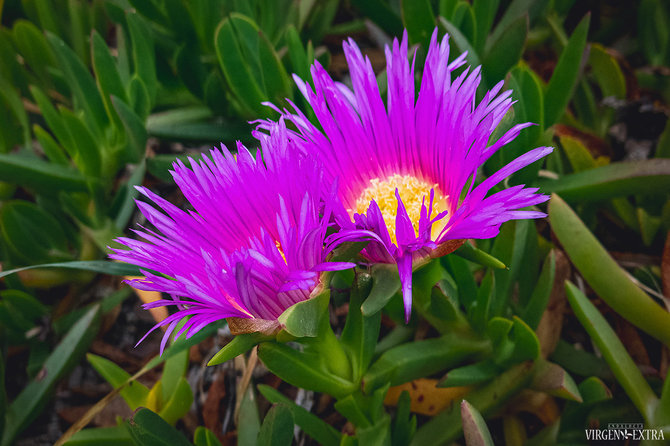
[412,191]
[281,251]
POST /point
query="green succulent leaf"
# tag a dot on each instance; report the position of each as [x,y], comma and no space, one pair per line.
[32,399]
[552,379]
[82,84]
[507,50]
[102,436]
[311,424]
[564,79]
[625,370]
[303,319]
[413,360]
[613,180]
[385,284]
[419,21]
[608,280]
[33,234]
[277,427]
[205,437]
[149,429]
[240,344]
[134,394]
[231,42]
[474,427]
[302,369]
[98,266]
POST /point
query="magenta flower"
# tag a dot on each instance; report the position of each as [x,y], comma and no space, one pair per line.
[252,246]
[406,168]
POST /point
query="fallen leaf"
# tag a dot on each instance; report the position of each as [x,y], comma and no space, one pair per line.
[211,408]
[549,329]
[426,398]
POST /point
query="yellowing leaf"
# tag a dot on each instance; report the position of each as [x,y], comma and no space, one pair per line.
[426,397]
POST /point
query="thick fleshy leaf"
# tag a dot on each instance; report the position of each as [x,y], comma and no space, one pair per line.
[303,318]
[564,79]
[609,281]
[87,152]
[311,424]
[12,99]
[516,9]
[34,49]
[302,370]
[31,233]
[461,42]
[240,344]
[625,370]
[174,369]
[485,13]
[40,175]
[248,422]
[277,427]
[177,346]
[134,394]
[470,374]
[469,252]
[593,390]
[446,426]
[479,311]
[98,266]
[385,284]
[136,134]
[376,435]
[82,84]
[474,427]
[102,436]
[106,75]
[32,399]
[205,437]
[179,402]
[144,58]
[580,362]
[381,13]
[542,292]
[360,333]
[552,379]
[149,429]
[404,424]
[230,44]
[419,20]
[413,360]
[607,72]
[507,50]
[614,180]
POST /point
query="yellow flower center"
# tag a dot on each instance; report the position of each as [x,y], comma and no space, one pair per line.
[412,192]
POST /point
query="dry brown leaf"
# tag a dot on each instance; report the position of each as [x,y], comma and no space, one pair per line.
[239,325]
[539,404]
[211,408]
[549,329]
[426,398]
